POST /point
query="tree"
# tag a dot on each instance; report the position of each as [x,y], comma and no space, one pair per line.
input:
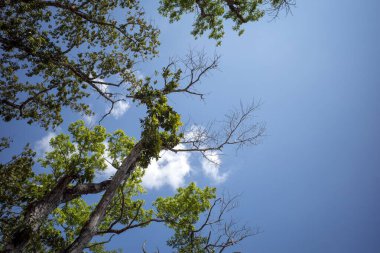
[54,54]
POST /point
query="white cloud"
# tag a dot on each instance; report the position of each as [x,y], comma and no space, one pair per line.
[211,166]
[139,75]
[43,144]
[171,169]
[119,109]
[102,87]
[89,119]
[109,171]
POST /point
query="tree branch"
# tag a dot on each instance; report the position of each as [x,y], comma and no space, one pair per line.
[83,189]
[238,130]
[130,226]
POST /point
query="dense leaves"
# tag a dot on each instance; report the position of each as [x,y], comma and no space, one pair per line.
[210,14]
[53,53]
[182,212]
[15,187]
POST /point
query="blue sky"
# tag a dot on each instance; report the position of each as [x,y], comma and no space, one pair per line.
[312,185]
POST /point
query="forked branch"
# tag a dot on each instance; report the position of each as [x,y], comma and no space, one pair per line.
[239,129]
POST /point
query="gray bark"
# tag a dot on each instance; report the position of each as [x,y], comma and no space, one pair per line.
[83,189]
[36,214]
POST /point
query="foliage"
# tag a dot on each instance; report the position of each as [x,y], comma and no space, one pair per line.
[211,14]
[65,47]
[182,212]
[83,154]
[15,187]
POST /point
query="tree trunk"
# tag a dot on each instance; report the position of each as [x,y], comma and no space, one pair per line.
[90,228]
[36,214]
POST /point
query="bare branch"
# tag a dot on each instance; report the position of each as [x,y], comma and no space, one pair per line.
[238,130]
[110,110]
[195,67]
[100,243]
[130,226]
[223,234]
[206,222]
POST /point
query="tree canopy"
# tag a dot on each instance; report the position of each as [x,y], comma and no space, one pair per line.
[55,54]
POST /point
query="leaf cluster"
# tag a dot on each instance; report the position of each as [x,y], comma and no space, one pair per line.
[182,212]
[162,122]
[210,15]
[53,54]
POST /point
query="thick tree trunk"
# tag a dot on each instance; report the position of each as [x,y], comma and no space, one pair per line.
[36,214]
[90,228]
